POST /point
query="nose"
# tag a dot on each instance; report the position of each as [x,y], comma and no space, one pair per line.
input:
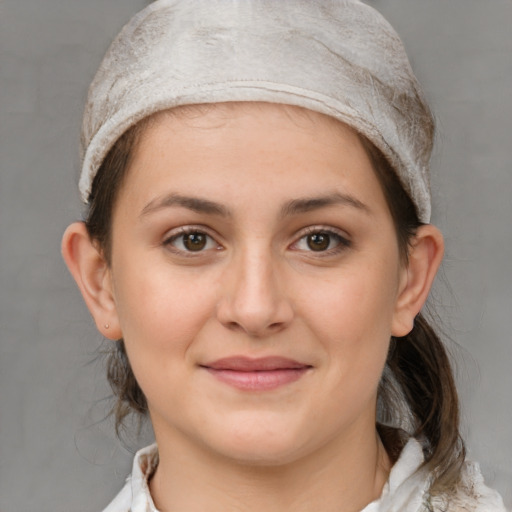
[253,298]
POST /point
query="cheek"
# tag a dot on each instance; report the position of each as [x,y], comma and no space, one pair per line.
[160,310]
[353,303]
[351,316]
[161,315]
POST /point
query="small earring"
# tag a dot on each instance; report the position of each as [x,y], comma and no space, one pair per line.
[107,326]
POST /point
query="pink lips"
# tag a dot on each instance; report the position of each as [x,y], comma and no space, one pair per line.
[261,374]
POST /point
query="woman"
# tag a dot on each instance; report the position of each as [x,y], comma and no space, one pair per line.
[258,246]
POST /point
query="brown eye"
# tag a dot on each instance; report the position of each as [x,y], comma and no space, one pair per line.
[322,241]
[195,241]
[191,241]
[318,241]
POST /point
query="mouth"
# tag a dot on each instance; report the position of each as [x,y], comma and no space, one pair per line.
[261,374]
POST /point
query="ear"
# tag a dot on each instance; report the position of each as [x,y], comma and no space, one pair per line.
[92,274]
[425,255]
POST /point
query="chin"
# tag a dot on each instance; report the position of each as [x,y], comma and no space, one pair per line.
[260,443]
[261,454]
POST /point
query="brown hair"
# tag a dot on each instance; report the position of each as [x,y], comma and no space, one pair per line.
[417,394]
[417,391]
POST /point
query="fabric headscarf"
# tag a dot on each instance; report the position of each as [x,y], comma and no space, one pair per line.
[337,57]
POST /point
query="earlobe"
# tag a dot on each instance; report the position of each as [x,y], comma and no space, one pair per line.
[425,256]
[91,272]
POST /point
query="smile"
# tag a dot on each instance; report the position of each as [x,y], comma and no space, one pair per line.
[262,374]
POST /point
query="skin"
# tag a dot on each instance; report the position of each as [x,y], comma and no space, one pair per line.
[262,286]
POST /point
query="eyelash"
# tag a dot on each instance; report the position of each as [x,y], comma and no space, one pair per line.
[189,230]
[342,241]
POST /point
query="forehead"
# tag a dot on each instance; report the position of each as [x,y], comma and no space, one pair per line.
[215,115]
[221,130]
[247,146]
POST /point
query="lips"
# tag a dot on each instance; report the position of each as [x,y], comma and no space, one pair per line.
[261,374]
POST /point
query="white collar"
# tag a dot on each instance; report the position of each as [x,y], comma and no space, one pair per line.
[405,490]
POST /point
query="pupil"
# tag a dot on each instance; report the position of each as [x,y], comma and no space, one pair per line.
[195,241]
[318,241]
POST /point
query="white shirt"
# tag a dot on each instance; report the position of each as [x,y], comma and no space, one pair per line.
[405,491]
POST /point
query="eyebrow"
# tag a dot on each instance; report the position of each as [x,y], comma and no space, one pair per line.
[195,204]
[308,204]
[293,207]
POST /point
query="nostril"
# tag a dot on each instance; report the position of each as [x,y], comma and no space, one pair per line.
[271,328]
[234,326]
[257,318]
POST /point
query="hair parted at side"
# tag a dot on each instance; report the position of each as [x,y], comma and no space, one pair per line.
[417,394]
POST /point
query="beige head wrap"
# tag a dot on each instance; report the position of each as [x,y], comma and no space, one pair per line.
[337,57]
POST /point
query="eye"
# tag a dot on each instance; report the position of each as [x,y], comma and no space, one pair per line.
[321,241]
[192,241]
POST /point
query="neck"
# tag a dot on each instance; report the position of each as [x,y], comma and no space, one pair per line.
[342,476]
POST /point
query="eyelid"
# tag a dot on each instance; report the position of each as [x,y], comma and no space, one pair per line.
[176,233]
[344,239]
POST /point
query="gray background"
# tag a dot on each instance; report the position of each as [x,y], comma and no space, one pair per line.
[56,451]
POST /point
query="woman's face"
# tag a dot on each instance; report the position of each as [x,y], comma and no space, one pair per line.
[255,272]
